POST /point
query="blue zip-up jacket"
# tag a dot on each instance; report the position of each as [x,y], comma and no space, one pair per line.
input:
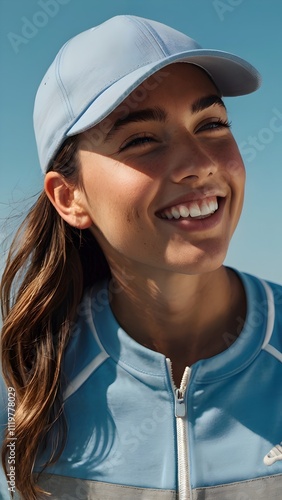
[132,435]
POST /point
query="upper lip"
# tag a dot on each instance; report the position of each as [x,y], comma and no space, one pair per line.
[196,195]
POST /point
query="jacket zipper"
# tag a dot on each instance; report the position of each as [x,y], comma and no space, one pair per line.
[184,491]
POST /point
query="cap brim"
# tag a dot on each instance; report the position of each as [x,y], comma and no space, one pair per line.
[232,75]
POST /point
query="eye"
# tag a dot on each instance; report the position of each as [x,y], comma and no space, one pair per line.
[136,141]
[214,125]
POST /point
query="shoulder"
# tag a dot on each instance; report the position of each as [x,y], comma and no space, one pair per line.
[269,292]
[84,352]
[264,300]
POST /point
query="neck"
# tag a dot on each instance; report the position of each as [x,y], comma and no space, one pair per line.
[186,318]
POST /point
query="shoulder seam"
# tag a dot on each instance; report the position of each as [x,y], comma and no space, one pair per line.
[270,313]
[270,323]
[77,382]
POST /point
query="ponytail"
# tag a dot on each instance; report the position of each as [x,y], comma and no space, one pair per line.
[41,288]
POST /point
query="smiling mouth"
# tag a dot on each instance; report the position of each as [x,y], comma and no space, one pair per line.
[191,210]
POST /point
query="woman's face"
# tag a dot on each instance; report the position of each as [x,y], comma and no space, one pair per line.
[163,178]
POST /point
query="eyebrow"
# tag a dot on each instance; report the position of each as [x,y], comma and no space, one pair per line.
[160,115]
[206,102]
[144,115]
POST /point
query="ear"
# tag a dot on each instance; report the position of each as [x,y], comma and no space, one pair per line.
[67,200]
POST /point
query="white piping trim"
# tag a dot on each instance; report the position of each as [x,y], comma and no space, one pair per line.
[274,352]
[77,382]
[271,313]
[270,324]
[93,328]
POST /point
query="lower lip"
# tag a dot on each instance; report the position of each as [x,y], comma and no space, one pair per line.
[204,224]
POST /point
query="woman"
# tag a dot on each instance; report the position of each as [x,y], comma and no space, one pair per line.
[141,366]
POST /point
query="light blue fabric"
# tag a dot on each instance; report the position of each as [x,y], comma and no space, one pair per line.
[120,403]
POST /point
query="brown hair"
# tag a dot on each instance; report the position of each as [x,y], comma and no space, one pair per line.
[48,266]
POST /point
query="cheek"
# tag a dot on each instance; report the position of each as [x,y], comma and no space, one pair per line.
[233,163]
[119,198]
[236,170]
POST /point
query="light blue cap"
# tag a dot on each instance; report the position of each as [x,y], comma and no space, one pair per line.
[97,69]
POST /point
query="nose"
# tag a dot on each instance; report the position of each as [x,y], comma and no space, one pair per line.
[191,160]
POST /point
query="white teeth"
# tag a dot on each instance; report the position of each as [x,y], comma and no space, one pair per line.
[168,215]
[175,213]
[213,205]
[195,210]
[184,212]
[205,209]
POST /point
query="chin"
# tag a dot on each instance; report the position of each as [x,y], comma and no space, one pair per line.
[201,262]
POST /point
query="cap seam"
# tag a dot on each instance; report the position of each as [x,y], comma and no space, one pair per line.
[140,23]
[62,88]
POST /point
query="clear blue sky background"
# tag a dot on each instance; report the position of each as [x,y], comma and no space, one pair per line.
[250,28]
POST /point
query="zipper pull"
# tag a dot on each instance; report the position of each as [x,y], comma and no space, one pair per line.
[179,394]
[179,406]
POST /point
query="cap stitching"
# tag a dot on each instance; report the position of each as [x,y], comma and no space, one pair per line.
[61,86]
[149,30]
